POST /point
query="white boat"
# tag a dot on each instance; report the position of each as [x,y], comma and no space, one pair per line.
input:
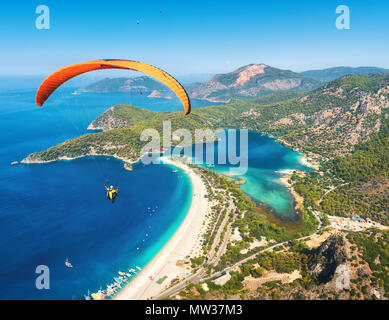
[68,264]
[139,268]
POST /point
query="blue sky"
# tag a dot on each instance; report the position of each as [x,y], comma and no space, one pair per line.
[193,36]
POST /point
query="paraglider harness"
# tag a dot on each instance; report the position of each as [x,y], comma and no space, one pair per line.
[111,192]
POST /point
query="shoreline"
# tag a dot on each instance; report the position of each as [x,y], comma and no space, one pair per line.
[306,161]
[126,162]
[285,175]
[179,246]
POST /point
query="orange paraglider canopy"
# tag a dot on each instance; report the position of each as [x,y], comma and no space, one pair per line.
[53,81]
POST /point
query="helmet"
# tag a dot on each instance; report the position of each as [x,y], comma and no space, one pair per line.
[111,187]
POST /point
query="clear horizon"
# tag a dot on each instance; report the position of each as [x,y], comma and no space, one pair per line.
[121,73]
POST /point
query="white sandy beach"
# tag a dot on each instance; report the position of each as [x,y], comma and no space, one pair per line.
[284,179]
[177,248]
[309,162]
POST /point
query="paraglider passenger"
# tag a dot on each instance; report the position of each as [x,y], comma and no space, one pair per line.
[111,192]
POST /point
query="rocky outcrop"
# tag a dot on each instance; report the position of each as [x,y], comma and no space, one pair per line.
[330,258]
[250,81]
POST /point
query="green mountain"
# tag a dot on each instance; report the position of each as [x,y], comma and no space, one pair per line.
[142,84]
[251,81]
[329,74]
[330,120]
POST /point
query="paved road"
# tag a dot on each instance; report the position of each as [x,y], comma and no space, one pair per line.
[215,259]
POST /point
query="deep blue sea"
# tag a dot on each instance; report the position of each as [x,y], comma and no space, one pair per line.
[51,212]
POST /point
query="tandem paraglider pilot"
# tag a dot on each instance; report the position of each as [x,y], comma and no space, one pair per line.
[111,192]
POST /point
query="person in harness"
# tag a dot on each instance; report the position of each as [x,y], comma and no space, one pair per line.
[111,192]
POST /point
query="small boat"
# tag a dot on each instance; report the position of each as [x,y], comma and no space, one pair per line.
[87,297]
[98,295]
[131,270]
[121,273]
[175,171]
[139,268]
[68,264]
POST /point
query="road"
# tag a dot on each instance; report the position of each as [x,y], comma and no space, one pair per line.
[199,275]
[215,259]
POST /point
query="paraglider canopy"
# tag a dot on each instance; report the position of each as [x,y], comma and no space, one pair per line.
[53,81]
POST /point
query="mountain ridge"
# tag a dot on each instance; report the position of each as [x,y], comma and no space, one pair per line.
[329,74]
[251,81]
[246,82]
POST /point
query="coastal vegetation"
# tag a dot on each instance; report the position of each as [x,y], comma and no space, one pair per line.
[329,121]
[310,273]
[352,185]
[344,126]
[252,220]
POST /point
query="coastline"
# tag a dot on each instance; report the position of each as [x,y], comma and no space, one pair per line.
[297,198]
[179,246]
[308,162]
[127,162]
[284,179]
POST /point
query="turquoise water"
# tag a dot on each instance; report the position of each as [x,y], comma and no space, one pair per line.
[55,211]
[266,158]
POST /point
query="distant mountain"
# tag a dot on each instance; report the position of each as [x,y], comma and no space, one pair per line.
[194,77]
[330,74]
[250,81]
[143,84]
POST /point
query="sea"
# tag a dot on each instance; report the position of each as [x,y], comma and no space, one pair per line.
[58,211]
